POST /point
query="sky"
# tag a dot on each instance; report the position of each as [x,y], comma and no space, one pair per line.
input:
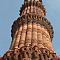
[9,12]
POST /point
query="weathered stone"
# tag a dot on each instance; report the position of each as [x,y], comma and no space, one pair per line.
[32,34]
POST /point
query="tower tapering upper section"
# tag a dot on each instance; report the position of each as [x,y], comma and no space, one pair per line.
[32,28]
[33,7]
[31,34]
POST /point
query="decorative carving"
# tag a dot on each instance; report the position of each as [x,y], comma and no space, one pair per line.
[35,53]
[31,34]
[28,51]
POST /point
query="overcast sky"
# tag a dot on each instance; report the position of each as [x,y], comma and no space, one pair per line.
[9,11]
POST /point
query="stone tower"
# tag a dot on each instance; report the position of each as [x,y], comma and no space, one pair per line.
[32,34]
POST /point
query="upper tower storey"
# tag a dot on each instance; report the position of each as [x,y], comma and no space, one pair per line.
[33,7]
[32,28]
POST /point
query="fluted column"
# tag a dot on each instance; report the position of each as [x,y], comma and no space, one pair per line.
[47,40]
[34,33]
[18,37]
[13,41]
[23,36]
[39,36]
[29,34]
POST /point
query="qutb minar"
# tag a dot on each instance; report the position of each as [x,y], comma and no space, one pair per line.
[32,34]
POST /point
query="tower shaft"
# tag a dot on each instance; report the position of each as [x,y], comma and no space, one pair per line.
[31,34]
